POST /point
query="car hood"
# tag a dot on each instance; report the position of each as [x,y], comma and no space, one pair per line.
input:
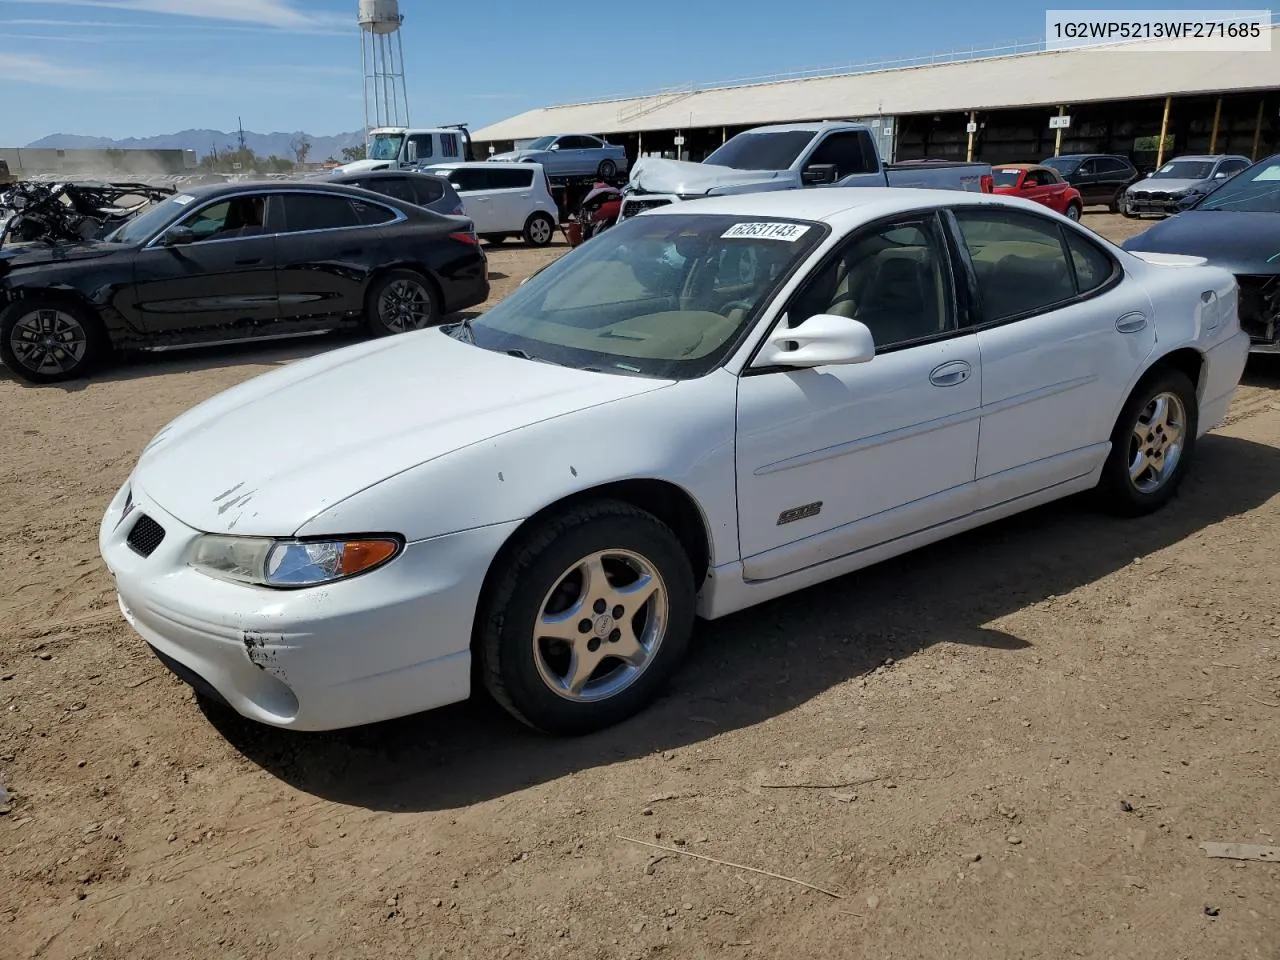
[268,456]
[362,166]
[16,255]
[659,175]
[1166,184]
[514,156]
[1240,242]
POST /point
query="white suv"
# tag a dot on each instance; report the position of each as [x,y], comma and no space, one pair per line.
[504,199]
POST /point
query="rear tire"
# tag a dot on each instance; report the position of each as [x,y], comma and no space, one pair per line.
[49,339]
[608,170]
[1114,205]
[538,662]
[539,230]
[401,301]
[1151,444]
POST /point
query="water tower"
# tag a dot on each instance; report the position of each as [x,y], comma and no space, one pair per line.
[386,101]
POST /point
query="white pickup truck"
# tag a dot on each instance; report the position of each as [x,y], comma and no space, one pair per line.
[789,156]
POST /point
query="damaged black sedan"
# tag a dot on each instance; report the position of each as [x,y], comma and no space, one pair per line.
[231,263]
[1237,226]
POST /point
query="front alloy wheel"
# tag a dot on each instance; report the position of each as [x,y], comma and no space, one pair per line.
[47,341]
[584,617]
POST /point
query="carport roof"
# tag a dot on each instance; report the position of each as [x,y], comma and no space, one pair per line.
[1136,71]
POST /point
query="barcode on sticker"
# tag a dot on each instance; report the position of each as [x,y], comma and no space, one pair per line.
[790,232]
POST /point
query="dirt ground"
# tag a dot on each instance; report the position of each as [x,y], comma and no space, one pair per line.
[1009,745]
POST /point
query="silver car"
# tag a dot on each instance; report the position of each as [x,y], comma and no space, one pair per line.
[570,155]
[1182,178]
[422,189]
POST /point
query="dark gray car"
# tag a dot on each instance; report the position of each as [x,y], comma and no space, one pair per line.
[423,189]
[1179,179]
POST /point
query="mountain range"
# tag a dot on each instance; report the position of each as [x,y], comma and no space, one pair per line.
[204,142]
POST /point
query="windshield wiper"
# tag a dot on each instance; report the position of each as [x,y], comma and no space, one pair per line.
[465,326]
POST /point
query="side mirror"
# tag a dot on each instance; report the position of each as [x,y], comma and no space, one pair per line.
[1188,201]
[554,146]
[411,152]
[1221,175]
[823,339]
[818,173]
[179,236]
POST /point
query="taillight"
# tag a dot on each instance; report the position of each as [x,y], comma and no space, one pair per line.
[459,210]
[470,239]
[988,183]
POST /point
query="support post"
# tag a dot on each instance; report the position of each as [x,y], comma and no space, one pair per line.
[1057,134]
[968,156]
[1164,130]
[1217,116]
[1257,131]
[724,135]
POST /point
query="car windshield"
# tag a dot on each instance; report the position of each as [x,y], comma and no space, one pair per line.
[1064,165]
[762,151]
[151,222]
[662,295]
[1005,178]
[540,144]
[1184,170]
[385,146]
[1256,190]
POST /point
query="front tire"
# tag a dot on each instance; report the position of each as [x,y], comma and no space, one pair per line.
[399,302]
[50,340]
[1073,212]
[586,617]
[1151,445]
[539,230]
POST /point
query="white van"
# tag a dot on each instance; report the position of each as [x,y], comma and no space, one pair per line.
[504,199]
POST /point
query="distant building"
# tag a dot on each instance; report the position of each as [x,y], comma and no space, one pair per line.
[24,161]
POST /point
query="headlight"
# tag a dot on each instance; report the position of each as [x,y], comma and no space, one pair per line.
[291,563]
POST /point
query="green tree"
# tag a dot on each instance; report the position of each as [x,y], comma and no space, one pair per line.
[350,154]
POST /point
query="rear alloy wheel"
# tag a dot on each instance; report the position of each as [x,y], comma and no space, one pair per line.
[402,301]
[49,341]
[1151,444]
[588,617]
[608,170]
[539,230]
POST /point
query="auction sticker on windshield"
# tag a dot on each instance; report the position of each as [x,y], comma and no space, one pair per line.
[791,232]
[183,199]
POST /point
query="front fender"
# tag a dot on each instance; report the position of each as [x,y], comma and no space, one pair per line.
[682,434]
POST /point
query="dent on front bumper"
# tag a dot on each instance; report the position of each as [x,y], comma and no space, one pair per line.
[393,642]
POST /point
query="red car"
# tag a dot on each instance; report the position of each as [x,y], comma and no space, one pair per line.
[1041,184]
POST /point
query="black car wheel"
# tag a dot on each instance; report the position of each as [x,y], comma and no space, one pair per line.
[49,340]
[539,230]
[608,170]
[399,302]
[585,618]
[1114,204]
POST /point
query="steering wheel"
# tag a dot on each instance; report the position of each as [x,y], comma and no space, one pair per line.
[732,304]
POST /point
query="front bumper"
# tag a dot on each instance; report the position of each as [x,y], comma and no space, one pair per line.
[390,643]
[1148,206]
[638,203]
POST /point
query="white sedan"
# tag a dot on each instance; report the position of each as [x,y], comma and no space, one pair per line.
[710,405]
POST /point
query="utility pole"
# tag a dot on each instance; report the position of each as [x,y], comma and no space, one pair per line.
[241,123]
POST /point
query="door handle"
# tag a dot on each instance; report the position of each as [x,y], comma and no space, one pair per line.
[1131,323]
[950,373]
[248,262]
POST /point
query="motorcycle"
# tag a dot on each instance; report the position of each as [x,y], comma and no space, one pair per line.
[597,213]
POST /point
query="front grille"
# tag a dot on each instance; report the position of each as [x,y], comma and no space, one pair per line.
[631,207]
[1260,307]
[145,536]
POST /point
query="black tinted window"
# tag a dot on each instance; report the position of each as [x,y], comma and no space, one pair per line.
[893,278]
[397,187]
[469,178]
[449,145]
[428,190]
[1019,260]
[509,179]
[370,214]
[1232,166]
[314,212]
[851,152]
[237,217]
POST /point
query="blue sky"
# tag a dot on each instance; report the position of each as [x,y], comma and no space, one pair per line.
[123,68]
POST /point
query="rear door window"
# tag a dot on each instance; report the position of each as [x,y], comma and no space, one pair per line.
[510,178]
[309,211]
[427,190]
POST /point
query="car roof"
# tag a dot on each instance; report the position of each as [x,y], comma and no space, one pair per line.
[342,178]
[814,127]
[483,165]
[1021,166]
[1208,157]
[207,190]
[828,204]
